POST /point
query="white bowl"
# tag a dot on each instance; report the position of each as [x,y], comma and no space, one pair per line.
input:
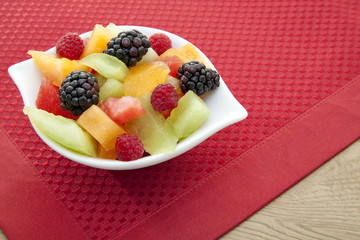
[225,110]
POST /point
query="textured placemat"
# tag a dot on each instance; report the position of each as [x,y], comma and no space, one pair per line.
[279,59]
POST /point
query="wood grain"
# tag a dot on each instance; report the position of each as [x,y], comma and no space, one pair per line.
[324,205]
[2,235]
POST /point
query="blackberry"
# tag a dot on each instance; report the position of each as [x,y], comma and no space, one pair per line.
[129,47]
[196,77]
[78,92]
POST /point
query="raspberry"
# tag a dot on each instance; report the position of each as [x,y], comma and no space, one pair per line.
[70,46]
[129,147]
[160,43]
[164,97]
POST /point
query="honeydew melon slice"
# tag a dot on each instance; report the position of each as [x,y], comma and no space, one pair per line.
[107,65]
[63,131]
[113,28]
[101,79]
[111,88]
[189,115]
[150,56]
[156,136]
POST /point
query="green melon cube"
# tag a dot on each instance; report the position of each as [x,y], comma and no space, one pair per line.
[189,115]
[111,88]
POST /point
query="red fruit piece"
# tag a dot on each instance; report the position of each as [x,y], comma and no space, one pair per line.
[160,43]
[129,147]
[70,46]
[124,109]
[164,97]
[174,62]
[48,99]
[166,113]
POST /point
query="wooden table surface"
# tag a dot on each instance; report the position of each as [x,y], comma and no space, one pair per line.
[324,205]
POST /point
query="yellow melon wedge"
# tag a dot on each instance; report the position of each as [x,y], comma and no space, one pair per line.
[100,126]
[186,53]
[98,40]
[55,69]
[102,153]
[144,78]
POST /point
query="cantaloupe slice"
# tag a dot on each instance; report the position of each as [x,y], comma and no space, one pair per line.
[144,78]
[186,53]
[100,126]
[102,153]
[98,40]
[56,69]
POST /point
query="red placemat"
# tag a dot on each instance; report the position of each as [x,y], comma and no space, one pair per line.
[292,64]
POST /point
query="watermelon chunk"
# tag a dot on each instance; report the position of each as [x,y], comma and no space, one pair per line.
[48,100]
[124,109]
[174,62]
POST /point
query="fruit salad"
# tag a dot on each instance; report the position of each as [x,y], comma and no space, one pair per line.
[121,94]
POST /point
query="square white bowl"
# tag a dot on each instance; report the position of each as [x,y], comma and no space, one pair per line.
[224,111]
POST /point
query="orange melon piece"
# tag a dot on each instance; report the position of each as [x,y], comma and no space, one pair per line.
[102,153]
[144,78]
[98,40]
[100,126]
[130,127]
[56,69]
[186,53]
